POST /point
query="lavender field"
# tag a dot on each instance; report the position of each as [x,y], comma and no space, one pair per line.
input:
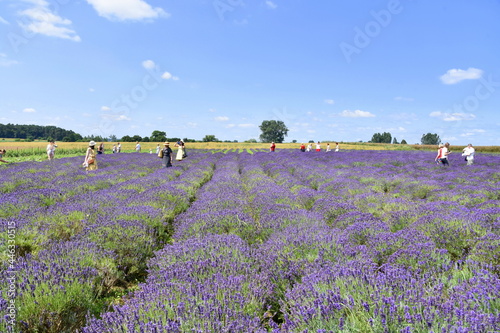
[349,241]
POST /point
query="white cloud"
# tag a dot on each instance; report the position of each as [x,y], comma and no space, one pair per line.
[473,132]
[116,117]
[91,90]
[404,99]
[29,110]
[221,118]
[329,101]
[4,21]
[166,76]
[175,78]
[356,114]
[271,4]
[453,76]
[105,108]
[246,125]
[5,61]
[122,10]
[148,64]
[457,116]
[45,22]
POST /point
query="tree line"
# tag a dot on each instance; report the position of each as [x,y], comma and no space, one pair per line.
[272,131]
[386,137]
[37,132]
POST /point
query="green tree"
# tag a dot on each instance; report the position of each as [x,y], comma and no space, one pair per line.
[136,138]
[251,141]
[273,131]
[127,138]
[158,136]
[395,141]
[210,138]
[381,138]
[403,142]
[430,139]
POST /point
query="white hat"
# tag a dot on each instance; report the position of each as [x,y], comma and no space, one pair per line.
[91,143]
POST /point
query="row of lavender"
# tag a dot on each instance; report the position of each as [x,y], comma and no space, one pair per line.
[71,239]
[305,242]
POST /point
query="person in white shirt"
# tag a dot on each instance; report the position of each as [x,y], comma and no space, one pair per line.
[468,153]
[318,146]
[51,150]
[328,147]
[138,147]
[337,146]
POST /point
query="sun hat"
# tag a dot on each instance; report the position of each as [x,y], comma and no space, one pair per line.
[91,143]
[166,143]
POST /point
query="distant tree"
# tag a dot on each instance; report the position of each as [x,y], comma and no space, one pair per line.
[381,138]
[250,141]
[188,140]
[395,141]
[403,142]
[430,139]
[158,136]
[145,139]
[273,131]
[294,141]
[112,138]
[210,138]
[127,138]
[310,141]
[136,138]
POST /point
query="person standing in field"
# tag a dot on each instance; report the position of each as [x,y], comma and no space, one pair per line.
[302,148]
[166,155]
[114,149]
[51,150]
[309,147]
[158,149]
[318,146]
[328,147]
[337,146]
[137,147]
[468,153]
[2,152]
[272,147]
[119,148]
[90,162]
[100,150]
[442,155]
[180,150]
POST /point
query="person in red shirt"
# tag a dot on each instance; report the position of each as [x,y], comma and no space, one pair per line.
[302,148]
[272,147]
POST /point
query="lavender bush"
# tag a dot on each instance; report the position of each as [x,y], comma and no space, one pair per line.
[350,241]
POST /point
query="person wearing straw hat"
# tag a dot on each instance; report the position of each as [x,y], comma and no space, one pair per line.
[167,155]
[90,162]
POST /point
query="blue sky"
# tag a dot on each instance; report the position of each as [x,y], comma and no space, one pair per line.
[331,70]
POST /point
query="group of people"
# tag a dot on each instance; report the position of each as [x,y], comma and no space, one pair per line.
[444,151]
[318,147]
[166,154]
